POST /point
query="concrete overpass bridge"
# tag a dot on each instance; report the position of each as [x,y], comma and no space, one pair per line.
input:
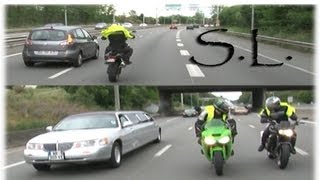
[258,94]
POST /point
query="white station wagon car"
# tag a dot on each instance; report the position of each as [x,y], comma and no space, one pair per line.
[91,137]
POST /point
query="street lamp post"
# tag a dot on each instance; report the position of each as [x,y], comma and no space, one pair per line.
[65,16]
[252,17]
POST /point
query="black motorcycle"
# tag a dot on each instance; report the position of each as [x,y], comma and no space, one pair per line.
[115,63]
[278,144]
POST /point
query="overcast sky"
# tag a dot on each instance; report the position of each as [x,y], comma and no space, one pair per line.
[154,7]
[229,95]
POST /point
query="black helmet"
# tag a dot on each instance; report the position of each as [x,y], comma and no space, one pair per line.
[273,103]
[221,105]
[197,108]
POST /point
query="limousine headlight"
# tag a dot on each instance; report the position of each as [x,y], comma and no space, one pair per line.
[34,146]
[90,143]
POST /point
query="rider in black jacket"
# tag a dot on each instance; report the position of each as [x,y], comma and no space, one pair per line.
[279,111]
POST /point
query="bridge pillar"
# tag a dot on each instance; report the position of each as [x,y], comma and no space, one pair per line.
[165,107]
[258,97]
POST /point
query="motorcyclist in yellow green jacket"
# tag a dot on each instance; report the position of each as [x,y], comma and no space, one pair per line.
[117,36]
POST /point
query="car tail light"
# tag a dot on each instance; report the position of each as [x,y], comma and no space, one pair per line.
[69,41]
[28,42]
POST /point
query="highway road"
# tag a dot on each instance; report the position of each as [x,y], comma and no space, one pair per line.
[161,57]
[178,157]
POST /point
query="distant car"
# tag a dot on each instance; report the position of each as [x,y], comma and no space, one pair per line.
[92,137]
[53,24]
[100,26]
[239,110]
[69,44]
[143,25]
[157,24]
[189,113]
[196,26]
[206,25]
[190,26]
[127,25]
[173,26]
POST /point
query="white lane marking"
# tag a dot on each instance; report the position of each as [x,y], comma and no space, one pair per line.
[252,126]
[239,120]
[292,66]
[12,55]
[141,36]
[309,122]
[15,164]
[180,44]
[190,128]
[159,153]
[178,40]
[184,53]
[172,119]
[302,152]
[60,73]
[194,70]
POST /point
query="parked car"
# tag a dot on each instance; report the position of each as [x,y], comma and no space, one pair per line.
[196,26]
[190,26]
[53,24]
[143,25]
[127,25]
[69,44]
[189,113]
[100,26]
[173,26]
[239,110]
[92,137]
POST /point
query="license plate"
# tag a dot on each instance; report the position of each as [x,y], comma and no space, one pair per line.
[111,60]
[56,156]
[49,53]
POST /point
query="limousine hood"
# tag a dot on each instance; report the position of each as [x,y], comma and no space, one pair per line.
[73,136]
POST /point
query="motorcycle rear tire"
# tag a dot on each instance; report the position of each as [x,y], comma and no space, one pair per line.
[112,71]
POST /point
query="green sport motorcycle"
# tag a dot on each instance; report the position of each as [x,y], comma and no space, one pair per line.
[216,143]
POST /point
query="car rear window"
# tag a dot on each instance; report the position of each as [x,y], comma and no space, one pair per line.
[48,35]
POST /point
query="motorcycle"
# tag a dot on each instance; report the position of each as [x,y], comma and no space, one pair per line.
[216,143]
[115,64]
[278,144]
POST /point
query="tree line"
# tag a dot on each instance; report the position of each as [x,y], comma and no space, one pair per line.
[274,20]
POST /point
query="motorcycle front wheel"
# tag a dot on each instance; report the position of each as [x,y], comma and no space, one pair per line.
[218,163]
[284,154]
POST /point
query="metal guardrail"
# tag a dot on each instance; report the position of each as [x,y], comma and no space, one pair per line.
[276,40]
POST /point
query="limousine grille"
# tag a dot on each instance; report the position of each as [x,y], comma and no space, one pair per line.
[61,147]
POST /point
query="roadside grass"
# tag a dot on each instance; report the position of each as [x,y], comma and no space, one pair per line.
[40,107]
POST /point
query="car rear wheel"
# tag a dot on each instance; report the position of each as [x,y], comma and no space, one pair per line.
[96,56]
[41,167]
[28,63]
[116,155]
[78,62]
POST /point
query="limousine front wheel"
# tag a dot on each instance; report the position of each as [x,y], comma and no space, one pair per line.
[158,137]
[116,155]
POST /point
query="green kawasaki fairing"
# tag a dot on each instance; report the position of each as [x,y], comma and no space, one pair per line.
[216,142]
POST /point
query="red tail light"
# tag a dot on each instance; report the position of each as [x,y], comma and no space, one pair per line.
[28,42]
[69,41]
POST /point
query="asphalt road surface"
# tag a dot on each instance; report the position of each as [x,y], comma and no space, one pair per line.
[178,157]
[161,57]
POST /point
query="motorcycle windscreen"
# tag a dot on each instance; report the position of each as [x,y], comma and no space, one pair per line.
[215,127]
